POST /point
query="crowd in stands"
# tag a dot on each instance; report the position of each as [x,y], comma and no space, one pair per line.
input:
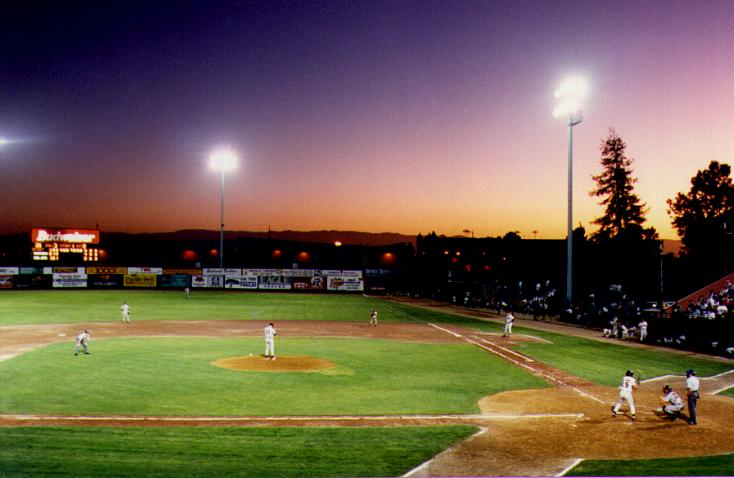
[715,305]
[613,312]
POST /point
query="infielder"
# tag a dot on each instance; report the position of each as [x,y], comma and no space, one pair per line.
[270,334]
[82,340]
[373,318]
[671,402]
[509,319]
[692,385]
[125,313]
[628,385]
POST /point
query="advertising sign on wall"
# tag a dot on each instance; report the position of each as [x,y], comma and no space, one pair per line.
[107,270]
[345,283]
[173,280]
[140,280]
[104,280]
[6,282]
[274,282]
[145,270]
[240,282]
[308,283]
[216,282]
[9,271]
[69,280]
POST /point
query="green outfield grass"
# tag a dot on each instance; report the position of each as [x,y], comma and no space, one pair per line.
[719,465]
[68,306]
[605,363]
[220,452]
[173,376]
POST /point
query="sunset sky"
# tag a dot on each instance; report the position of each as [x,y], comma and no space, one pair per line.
[378,116]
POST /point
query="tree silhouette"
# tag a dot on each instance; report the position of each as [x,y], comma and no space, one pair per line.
[704,220]
[624,213]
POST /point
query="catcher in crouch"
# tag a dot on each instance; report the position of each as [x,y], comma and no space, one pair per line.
[671,402]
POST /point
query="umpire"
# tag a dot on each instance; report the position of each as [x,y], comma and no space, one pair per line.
[692,385]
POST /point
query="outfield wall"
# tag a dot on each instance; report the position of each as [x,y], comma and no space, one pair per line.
[314,280]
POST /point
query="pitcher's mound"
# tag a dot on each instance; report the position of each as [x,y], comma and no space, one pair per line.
[258,363]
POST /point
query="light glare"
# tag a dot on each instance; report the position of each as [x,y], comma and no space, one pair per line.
[223,160]
[571,94]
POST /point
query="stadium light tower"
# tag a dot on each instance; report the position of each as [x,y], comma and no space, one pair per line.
[570,95]
[222,161]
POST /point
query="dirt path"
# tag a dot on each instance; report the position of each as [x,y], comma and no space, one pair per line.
[527,432]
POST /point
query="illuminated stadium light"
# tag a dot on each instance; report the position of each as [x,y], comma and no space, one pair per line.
[223,160]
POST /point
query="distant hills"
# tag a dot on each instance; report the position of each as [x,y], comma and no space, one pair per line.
[330,236]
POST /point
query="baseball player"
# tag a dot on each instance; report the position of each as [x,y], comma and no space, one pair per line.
[692,385]
[509,319]
[628,385]
[671,402]
[643,330]
[82,340]
[270,334]
[373,318]
[125,313]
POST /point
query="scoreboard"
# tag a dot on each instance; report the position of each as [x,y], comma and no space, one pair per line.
[52,244]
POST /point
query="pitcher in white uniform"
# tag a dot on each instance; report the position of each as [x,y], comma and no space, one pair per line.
[270,334]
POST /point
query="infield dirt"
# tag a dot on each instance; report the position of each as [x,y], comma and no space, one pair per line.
[524,433]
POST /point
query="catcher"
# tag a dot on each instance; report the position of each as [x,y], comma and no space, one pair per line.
[671,403]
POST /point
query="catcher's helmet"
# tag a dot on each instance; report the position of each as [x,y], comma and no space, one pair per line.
[667,389]
[690,372]
[629,373]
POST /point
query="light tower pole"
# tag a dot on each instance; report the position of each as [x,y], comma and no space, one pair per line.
[222,161]
[570,93]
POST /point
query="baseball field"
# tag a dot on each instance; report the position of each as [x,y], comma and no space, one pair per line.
[183,390]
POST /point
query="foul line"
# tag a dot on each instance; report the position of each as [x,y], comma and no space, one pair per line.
[425,464]
[520,364]
[524,357]
[573,465]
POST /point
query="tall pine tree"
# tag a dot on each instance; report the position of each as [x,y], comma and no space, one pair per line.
[624,213]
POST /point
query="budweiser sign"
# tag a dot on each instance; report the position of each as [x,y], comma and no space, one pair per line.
[69,236]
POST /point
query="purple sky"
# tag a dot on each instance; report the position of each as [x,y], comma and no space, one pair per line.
[375,116]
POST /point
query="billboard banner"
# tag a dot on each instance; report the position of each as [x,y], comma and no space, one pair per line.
[139,280]
[145,270]
[107,270]
[305,273]
[240,282]
[216,271]
[345,283]
[69,280]
[267,272]
[32,281]
[190,272]
[342,273]
[6,282]
[173,280]
[64,270]
[216,282]
[31,270]
[105,280]
[308,283]
[274,282]
[9,271]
